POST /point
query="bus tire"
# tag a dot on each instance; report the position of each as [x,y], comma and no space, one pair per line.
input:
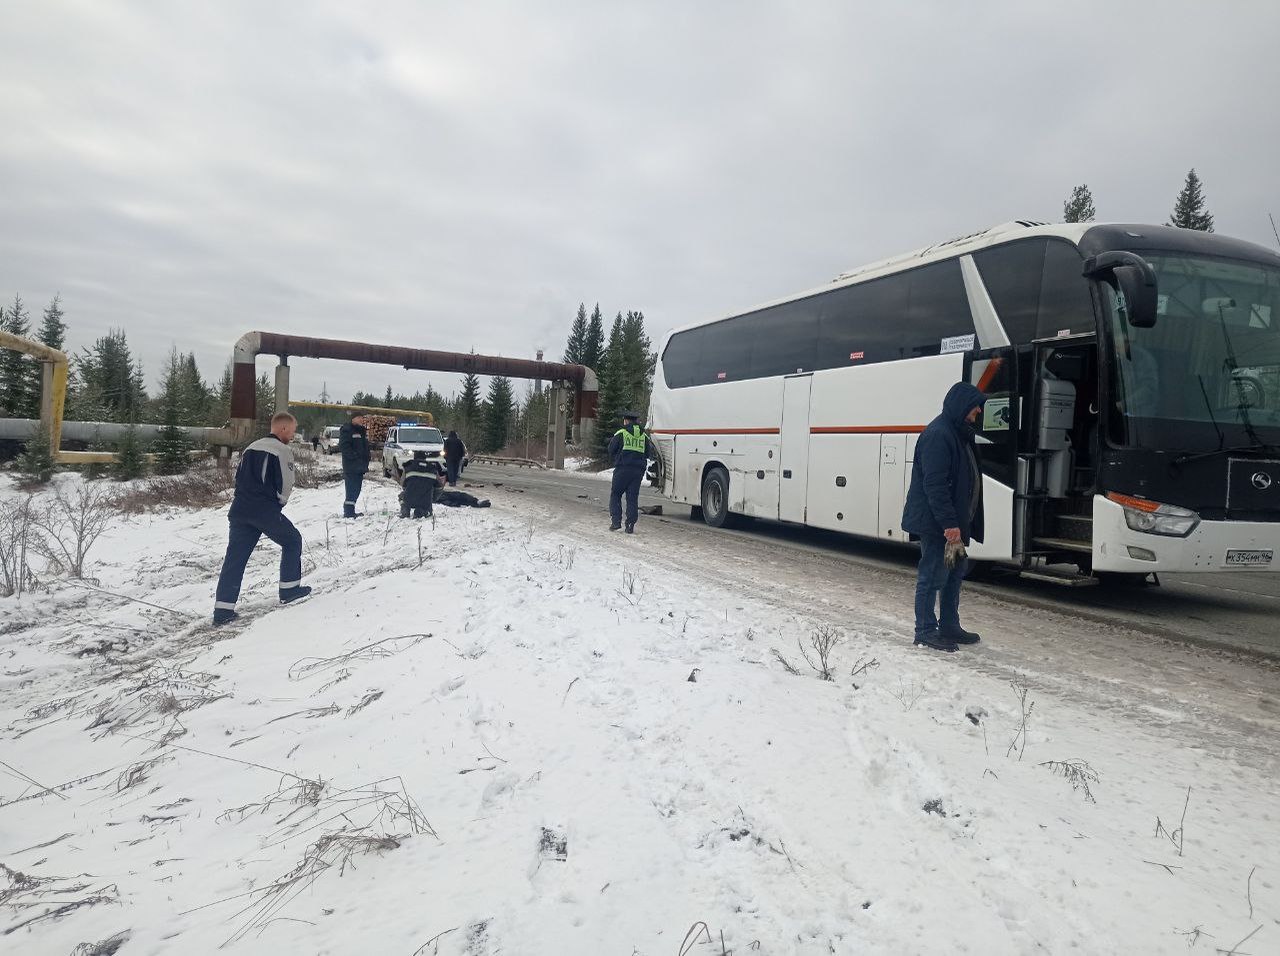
[979,570]
[715,498]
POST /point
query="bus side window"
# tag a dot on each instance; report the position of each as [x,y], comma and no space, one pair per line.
[1065,303]
[937,308]
[1012,274]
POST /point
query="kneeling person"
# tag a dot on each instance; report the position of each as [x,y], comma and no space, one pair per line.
[264,481]
[419,479]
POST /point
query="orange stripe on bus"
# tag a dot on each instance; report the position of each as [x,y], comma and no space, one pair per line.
[866,429]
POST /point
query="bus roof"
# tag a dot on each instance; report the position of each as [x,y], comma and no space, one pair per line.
[1108,235]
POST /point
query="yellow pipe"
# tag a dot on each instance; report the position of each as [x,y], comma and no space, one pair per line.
[53,386]
[369,409]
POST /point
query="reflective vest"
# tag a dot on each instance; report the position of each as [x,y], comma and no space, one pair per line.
[632,440]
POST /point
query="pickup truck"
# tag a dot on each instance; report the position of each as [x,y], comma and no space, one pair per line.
[403,440]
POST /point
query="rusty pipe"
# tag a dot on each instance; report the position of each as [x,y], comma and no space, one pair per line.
[253,344]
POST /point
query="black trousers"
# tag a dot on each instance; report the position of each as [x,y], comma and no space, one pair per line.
[245,533]
[626,480]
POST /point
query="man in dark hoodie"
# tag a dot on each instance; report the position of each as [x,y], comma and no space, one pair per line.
[353,442]
[454,452]
[944,504]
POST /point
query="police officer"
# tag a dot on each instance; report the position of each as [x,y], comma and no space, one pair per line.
[353,442]
[630,449]
[264,480]
[419,481]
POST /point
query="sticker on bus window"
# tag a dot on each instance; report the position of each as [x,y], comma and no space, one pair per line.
[857,356]
[958,343]
[1162,305]
[720,376]
[995,415]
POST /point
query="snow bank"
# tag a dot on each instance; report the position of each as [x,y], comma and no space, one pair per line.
[530,739]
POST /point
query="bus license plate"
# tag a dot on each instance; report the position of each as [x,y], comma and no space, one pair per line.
[1249,559]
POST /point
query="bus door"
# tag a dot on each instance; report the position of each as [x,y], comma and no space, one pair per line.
[793,448]
[995,373]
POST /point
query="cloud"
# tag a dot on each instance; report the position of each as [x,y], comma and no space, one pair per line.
[461,176]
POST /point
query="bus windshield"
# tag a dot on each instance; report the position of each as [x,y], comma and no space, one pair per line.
[1207,375]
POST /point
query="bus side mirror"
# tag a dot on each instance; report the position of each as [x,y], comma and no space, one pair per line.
[1135,280]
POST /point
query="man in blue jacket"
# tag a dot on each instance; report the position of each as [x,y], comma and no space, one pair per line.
[944,504]
[264,481]
[630,450]
[353,442]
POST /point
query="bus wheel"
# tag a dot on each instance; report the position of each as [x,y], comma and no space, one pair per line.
[979,570]
[715,498]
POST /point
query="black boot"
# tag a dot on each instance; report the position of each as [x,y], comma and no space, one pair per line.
[631,529]
[289,595]
[615,525]
[936,641]
[958,635]
[223,615]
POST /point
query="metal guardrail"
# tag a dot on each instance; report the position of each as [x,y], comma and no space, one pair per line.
[497,460]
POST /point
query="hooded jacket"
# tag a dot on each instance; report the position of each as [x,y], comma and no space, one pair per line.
[943,476]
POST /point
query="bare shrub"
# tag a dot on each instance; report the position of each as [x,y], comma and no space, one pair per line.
[823,641]
[1177,836]
[1078,772]
[103,947]
[72,524]
[786,664]
[196,489]
[907,694]
[1019,742]
[17,533]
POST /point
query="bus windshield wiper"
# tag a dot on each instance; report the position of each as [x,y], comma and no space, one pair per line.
[1185,456]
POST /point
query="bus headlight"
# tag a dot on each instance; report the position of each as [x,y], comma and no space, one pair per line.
[1151,517]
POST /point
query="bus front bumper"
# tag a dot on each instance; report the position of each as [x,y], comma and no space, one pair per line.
[1212,546]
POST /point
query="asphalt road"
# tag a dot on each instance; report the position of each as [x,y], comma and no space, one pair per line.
[1233,611]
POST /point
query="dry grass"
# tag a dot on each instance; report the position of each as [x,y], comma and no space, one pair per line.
[198,488]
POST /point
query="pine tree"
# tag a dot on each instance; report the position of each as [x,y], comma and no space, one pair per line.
[575,348]
[110,378]
[195,398]
[1079,208]
[19,373]
[129,461]
[265,393]
[467,411]
[36,463]
[497,414]
[388,400]
[1189,210]
[170,446]
[610,399]
[638,361]
[594,346]
[221,406]
[53,329]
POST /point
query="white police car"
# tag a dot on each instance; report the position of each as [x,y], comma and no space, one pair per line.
[406,438]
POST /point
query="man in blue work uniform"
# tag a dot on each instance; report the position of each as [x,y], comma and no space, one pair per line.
[630,450]
[353,442]
[419,480]
[944,507]
[264,481]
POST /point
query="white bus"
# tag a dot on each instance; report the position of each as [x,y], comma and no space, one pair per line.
[1133,423]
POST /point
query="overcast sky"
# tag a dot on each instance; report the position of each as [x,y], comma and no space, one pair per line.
[462,175]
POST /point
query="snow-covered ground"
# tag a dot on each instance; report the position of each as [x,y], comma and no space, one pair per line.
[529,738]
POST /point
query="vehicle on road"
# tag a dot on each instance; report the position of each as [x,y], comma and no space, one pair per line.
[329,439]
[404,439]
[1133,418]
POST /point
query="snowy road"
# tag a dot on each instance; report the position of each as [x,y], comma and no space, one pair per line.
[1240,610]
[537,737]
